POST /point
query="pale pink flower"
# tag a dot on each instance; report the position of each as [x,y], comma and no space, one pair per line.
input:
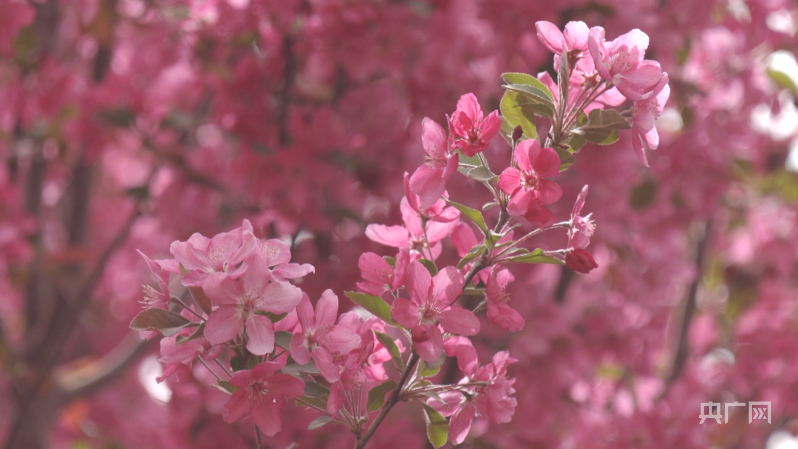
[224,253]
[429,180]
[242,301]
[278,259]
[379,276]
[411,235]
[528,189]
[581,227]
[474,131]
[621,62]
[320,339]
[644,114]
[499,312]
[430,304]
[261,394]
[160,269]
[438,211]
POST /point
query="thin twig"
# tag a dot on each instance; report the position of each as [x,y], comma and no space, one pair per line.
[209,368]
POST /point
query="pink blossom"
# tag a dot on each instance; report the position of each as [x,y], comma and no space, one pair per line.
[438,211]
[499,311]
[278,259]
[261,394]
[241,301]
[320,338]
[224,253]
[379,276]
[351,378]
[474,131]
[411,235]
[621,62]
[528,189]
[429,180]
[645,113]
[573,38]
[160,269]
[430,304]
[581,227]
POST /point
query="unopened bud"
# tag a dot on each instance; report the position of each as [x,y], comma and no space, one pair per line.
[517,133]
[580,261]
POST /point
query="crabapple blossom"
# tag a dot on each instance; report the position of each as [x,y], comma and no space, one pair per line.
[644,113]
[430,304]
[262,394]
[473,130]
[526,185]
[379,276]
[429,180]
[242,301]
[621,63]
[497,297]
[320,338]
[581,227]
[580,260]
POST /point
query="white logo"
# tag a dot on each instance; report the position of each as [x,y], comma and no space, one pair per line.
[756,410]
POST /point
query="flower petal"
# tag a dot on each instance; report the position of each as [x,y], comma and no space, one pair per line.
[260,333]
[224,324]
[457,320]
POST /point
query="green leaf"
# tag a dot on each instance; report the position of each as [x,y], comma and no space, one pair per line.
[373,304]
[482,174]
[782,80]
[506,130]
[489,206]
[200,332]
[283,339]
[564,78]
[391,261]
[643,194]
[157,319]
[513,115]
[529,109]
[605,119]
[273,317]
[472,214]
[436,363]
[429,265]
[319,422]
[225,386]
[566,158]
[575,142]
[422,370]
[536,256]
[318,402]
[525,79]
[533,93]
[472,254]
[389,344]
[236,364]
[377,395]
[437,427]
[201,299]
[315,390]
[297,370]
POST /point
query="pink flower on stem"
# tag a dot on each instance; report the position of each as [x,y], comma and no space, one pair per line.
[499,312]
[278,258]
[261,394]
[430,304]
[240,301]
[609,98]
[178,357]
[160,269]
[644,114]
[224,253]
[581,227]
[492,400]
[528,189]
[351,378]
[379,276]
[411,235]
[573,38]
[473,129]
[621,62]
[320,339]
[438,211]
[429,180]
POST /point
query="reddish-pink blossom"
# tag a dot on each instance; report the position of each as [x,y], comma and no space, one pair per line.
[621,62]
[429,180]
[528,189]
[320,338]
[379,276]
[581,227]
[473,130]
[430,304]
[499,311]
[243,300]
[261,394]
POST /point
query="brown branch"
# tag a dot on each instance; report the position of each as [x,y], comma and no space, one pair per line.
[681,348]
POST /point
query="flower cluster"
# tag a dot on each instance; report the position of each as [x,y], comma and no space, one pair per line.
[253,321]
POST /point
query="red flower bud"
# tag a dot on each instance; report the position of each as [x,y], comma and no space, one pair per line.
[517,133]
[580,260]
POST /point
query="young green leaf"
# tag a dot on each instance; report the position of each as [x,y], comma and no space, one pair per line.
[377,395]
[472,214]
[437,427]
[157,319]
[536,256]
[320,421]
[389,344]
[373,304]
